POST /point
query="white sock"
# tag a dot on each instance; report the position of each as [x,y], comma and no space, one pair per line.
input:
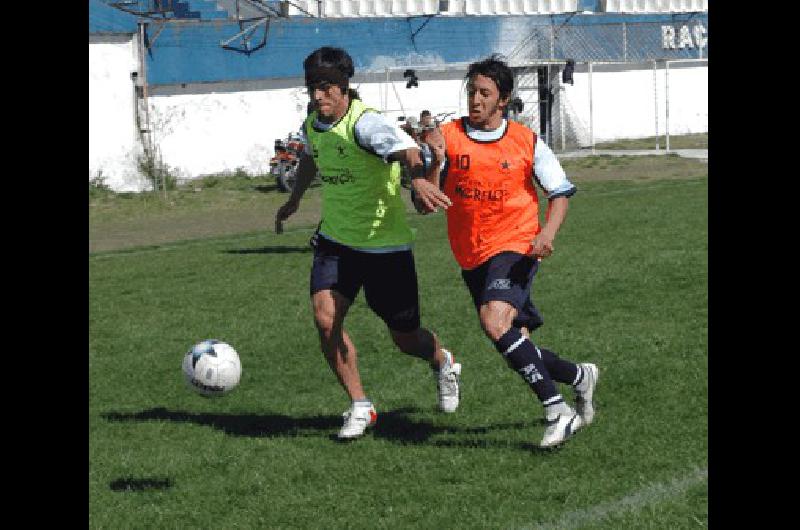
[448,357]
[448,360]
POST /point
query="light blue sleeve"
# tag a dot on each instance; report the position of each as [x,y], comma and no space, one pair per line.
[306,144]
[378,134]
[549,174]
[427,155]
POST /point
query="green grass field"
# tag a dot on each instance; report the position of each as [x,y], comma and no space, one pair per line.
[681,141]
[626,289]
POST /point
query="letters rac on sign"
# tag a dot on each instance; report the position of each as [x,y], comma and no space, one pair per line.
[683,37]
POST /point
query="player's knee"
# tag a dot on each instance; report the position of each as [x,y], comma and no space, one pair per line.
[404,324]
[406,340]
[418,342]
[495,323]
[325,322]
[493,329]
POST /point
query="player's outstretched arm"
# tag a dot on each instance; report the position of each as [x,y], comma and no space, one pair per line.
[428,196]
[554,182]
[306,171]
[556,212]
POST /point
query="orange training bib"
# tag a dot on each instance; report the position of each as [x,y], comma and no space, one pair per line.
[495,206]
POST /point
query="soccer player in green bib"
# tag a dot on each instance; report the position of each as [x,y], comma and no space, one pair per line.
[363,239]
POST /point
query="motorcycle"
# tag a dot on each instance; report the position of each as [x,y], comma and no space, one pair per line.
[283,166]
[414,129]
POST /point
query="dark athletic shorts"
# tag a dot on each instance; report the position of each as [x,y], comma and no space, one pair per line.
[508,277]
[389,280]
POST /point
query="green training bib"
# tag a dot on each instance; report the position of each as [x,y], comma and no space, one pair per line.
[361,202]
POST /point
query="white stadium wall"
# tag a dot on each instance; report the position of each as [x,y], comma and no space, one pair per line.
[217,132]
[623,102]
[234,125]
[228,119]
[113,140]
[229,129]
[437,92]
[203,129]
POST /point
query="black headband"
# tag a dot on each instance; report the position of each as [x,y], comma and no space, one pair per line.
[323,74]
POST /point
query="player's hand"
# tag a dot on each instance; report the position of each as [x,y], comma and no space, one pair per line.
[421,209]
[283,213]
[542,245]
[430,197]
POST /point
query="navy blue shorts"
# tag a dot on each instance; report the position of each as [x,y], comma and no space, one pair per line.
[507,277]
[389,280]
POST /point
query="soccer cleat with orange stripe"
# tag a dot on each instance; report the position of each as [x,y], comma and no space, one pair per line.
[356,420]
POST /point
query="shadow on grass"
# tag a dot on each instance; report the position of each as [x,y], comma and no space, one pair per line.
[270,250]
[140,484]
[259,425]
[396,426]
[266,188]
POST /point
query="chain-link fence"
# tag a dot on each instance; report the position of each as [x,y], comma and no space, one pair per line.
[585,106]
[626,42]
[612,101]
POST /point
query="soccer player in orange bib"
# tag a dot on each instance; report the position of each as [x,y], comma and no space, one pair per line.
[489,165]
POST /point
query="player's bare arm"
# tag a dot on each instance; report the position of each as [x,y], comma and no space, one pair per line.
[556,212]
[306,171]
[429,195]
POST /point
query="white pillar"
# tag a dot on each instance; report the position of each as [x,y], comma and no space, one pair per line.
[655,96]
[591,112]
[666,99]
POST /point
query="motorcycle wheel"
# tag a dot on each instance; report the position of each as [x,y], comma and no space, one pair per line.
[287,178]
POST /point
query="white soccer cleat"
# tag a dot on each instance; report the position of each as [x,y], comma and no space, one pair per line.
[583,400]
[356,420]
[559,428]
[448,384]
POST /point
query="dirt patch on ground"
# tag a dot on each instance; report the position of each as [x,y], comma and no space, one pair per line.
[226,214]
[214,213]
[607,167]
[177,227]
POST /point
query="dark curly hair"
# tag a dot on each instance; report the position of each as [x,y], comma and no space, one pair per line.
[495,69]
[328,65]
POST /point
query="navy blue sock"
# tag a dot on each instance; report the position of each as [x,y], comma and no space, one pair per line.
[560,369]
[521,355]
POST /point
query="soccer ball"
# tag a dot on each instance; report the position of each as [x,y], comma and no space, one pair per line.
[212,368]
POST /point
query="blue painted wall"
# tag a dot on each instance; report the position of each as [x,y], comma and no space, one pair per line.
[106,19]
[192,53]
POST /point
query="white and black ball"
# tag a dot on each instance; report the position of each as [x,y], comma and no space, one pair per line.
[212,368]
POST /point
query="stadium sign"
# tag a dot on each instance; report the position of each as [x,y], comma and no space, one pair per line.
[683,37]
